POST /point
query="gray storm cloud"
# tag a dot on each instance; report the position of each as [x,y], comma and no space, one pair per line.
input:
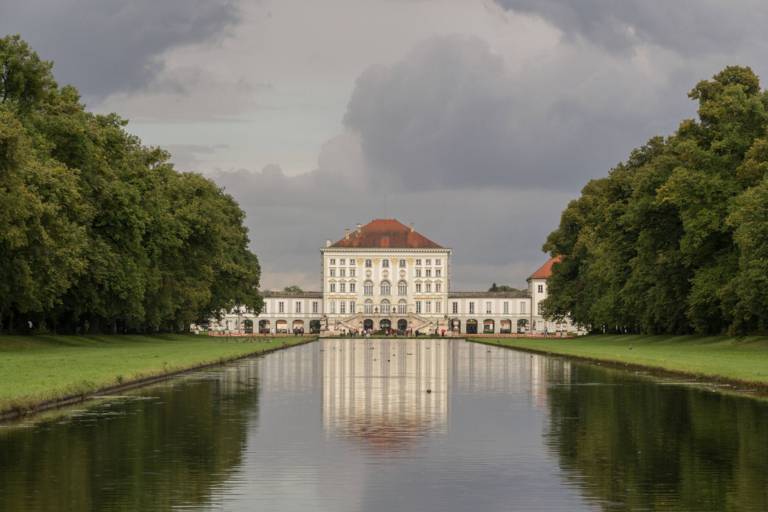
[106,46]
[690,27]
[450,115]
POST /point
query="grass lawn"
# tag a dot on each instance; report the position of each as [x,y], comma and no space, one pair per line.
[35,369]
[719,357]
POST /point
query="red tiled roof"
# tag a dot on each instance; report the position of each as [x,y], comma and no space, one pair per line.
[545,271]
[386,233]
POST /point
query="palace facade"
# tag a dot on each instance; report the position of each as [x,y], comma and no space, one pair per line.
[385,276]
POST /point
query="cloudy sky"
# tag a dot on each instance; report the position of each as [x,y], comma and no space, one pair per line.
[477,120]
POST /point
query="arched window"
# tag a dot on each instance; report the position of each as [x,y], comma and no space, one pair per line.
[385,288]
[402,288]
[401,307]
[368,308]
[368,288]
[384,308]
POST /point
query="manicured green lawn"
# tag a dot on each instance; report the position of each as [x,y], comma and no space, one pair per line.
[736,359]
[34,369]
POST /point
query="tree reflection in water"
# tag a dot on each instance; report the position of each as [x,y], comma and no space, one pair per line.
[632,444]
[149,451]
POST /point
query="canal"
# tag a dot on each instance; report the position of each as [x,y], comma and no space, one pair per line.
[396,425]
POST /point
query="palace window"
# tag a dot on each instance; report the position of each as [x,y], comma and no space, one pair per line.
[333,287]
[418,272]
[522,307]
[429,272]
[333,306]
[541,288]
[385,287]
[538,309]
[402,288]
[352,262]
[438,287]
[314,307]
[281,307]
[506,308]
[438,262]
[418,306]
[428,287]
[342,261]
[351,287]
[455,308]
[332,272]
[402,263]
[368,263]
[385,263]
[384,309]
[438,307]
[368,307]
[471,308]
[401,307]
[351,272]
[418,287]
[298,307]
[343,287]
[429,262]
[333,261]
[488,308]
[429,306]
[438,272]
[342,272]
[368,288]
[343,307]
[352,307]
[418,262]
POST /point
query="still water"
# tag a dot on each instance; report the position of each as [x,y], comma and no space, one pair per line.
[396,425]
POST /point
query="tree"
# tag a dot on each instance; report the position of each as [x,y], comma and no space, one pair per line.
[98,232]
[24,79]
[292,289]
[660,245]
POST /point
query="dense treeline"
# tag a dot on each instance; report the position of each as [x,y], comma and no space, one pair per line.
[100,233]
[675,240]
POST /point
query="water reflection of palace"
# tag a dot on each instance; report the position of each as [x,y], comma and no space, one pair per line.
[387,392]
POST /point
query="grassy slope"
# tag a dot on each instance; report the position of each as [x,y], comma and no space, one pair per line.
[41,368]
[742,359]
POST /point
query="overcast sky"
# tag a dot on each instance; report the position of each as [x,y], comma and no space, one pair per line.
[477,120]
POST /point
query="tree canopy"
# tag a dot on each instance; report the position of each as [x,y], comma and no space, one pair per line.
[99,232]
[675,239]
[502,288]
[293,289]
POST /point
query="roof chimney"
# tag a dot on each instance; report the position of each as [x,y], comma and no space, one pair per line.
[328,243]
[411,226]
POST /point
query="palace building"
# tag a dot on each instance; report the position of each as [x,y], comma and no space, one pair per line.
[385,276]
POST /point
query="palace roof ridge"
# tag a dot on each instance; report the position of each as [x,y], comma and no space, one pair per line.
[518,294]
[545,271]
[291,295]
[385,234]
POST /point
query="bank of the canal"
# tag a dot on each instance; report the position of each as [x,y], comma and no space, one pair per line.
[741,361]
[40,372]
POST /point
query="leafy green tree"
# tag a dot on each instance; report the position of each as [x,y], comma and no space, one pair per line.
[98,232]
[660,244]
[292,289]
